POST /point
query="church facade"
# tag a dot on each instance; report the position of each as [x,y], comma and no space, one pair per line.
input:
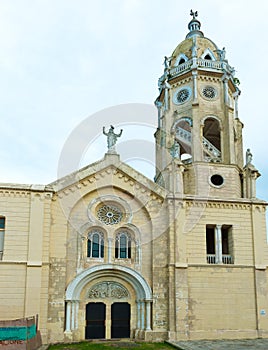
[107,253]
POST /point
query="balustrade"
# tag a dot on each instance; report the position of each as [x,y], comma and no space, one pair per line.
[200,62]
[226,259]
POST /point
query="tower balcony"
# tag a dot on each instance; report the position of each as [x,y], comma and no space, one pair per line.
[197,63]
[202,64]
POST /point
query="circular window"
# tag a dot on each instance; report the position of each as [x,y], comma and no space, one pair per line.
[209,92]
[182,95]
[217,180]
[109,214]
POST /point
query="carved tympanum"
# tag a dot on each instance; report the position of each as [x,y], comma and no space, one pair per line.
[108,290]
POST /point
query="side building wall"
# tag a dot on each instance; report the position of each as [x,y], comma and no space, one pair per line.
[24,266]
[226,299]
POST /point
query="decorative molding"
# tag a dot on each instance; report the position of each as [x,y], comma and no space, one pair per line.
[14,193]
[181,82]
[209,78]
[218,205]
[119,173]
[111,290]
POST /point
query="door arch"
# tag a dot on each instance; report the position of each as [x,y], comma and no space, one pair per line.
[142,295]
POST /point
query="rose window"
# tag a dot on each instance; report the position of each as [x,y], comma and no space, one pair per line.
[183,95]
[209,92]
[109,214]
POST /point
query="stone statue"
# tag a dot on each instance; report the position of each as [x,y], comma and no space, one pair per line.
[222,54]
[167,62]
[111,137]
[175,150]
[248,157]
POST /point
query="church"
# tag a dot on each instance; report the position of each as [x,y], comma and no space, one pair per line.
[107,253]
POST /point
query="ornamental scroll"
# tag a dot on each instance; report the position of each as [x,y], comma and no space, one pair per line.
[108,290]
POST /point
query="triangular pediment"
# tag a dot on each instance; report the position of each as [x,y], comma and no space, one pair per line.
[109,171]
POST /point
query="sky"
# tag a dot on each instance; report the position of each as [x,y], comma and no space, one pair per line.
[71,66]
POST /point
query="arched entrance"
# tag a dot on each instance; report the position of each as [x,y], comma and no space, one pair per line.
[126,297]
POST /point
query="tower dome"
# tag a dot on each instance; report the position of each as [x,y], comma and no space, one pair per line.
[193,51]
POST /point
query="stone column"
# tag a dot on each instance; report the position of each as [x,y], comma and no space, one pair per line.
[159,106]
[235,95]
[148,315]
[138,314]
[137,255]
[194,73]
[76,314]
[142,314]
[166,96]
[110,245]
[225,83]
[218,242]
[68,316]
[73,315]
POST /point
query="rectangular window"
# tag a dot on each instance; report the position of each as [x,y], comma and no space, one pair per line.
[227,244]
[2,236]
[219,244]
[210,236]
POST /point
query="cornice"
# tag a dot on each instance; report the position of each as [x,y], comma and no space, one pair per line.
[141,186]
[21,190]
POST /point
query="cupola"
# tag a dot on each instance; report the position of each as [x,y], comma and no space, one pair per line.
[194,26]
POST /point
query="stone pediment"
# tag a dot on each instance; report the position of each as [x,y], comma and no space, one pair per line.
[108,171]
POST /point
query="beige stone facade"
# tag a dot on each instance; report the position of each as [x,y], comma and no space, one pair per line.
[106,253]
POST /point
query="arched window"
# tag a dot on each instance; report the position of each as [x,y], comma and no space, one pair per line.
[182,58]
[95,245]
[123,246]
[207,57]
[212,139]
[183,130]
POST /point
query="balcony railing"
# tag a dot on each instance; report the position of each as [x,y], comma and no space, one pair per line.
[200,63]
[226,259]
[211,258]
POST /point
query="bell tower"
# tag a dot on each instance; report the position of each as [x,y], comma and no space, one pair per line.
[199,136]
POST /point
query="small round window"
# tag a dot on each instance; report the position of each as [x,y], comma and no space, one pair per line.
[209,92]
[217,180]
[182,95]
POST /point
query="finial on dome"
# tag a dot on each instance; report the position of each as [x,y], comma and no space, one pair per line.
[194,14]
[194,26]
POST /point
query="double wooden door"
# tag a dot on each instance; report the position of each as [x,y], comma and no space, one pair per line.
[96,320]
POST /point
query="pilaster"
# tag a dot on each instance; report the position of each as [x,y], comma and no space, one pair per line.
[35,251]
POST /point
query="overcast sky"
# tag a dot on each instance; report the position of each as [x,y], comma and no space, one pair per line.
[62,62]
